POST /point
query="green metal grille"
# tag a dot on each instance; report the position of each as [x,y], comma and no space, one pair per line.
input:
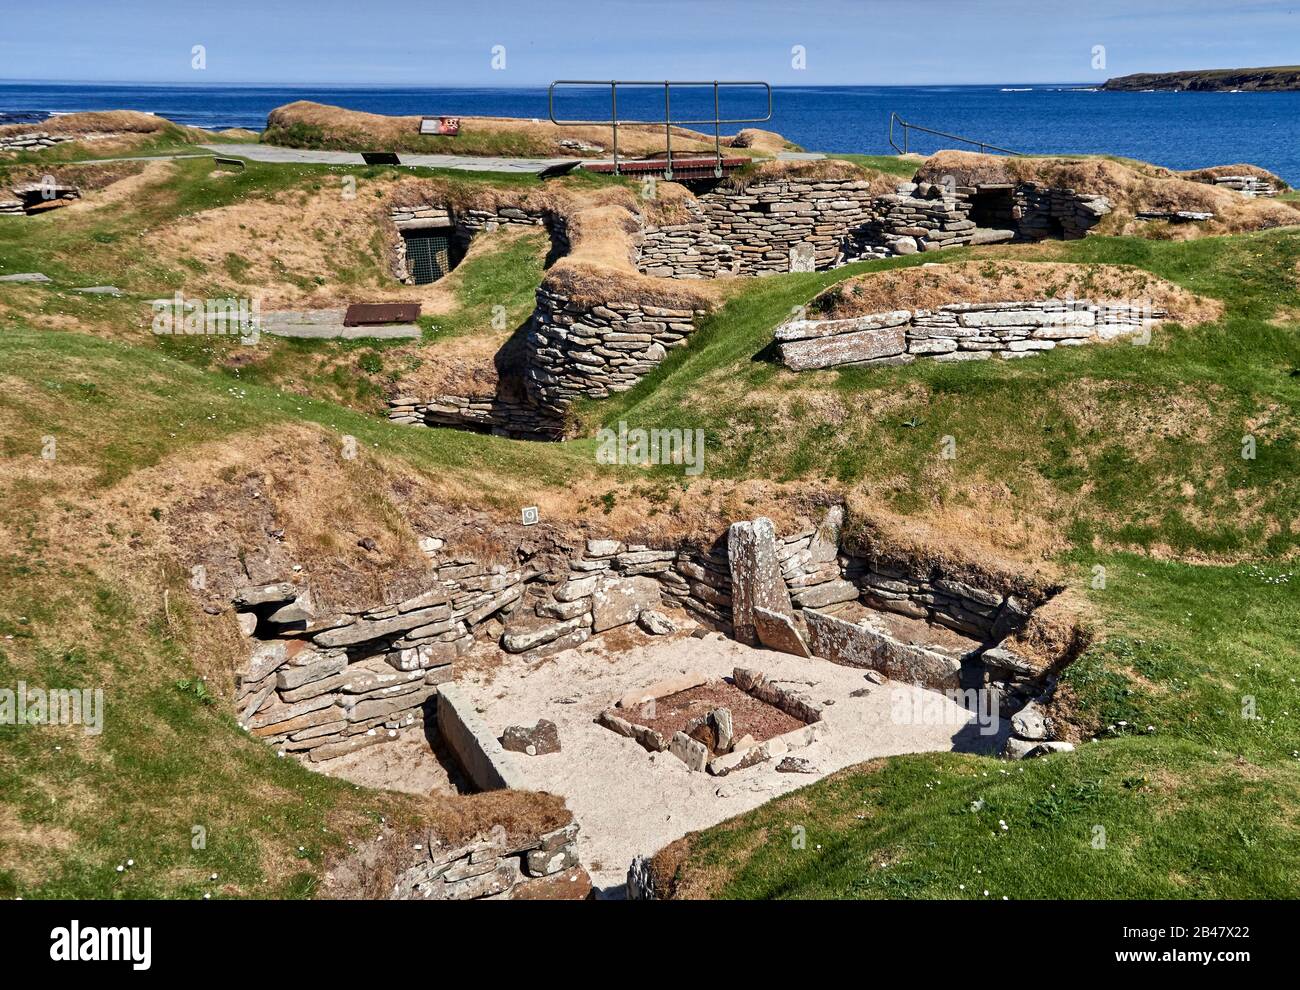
[428,256]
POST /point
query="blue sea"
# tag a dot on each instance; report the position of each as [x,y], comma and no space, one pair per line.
[1178,130]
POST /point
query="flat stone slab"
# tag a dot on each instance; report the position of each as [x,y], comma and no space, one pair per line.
[662,689]
[778,632]
[26,277]
[327,324]
[100,290]
[858,646]
[844,348]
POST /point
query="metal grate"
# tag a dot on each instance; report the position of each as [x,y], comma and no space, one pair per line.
[428,256]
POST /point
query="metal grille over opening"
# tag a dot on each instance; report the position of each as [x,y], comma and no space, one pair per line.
[428,255]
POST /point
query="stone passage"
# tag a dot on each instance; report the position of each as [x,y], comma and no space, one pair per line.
[35,197]
[929,216]
[433,238]
[958,332]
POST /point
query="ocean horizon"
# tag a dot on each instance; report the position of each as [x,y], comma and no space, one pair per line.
[1177,130]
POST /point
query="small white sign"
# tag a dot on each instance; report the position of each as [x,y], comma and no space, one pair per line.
[530,515]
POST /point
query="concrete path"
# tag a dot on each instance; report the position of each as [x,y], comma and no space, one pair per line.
[302,156]
[273,153]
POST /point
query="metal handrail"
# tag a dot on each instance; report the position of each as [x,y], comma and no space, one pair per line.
[906,127]
[717,120]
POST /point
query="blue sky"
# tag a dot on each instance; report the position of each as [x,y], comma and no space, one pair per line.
[433,42]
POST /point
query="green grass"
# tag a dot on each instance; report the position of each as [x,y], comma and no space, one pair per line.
[507,277]
[120,408]
[1157,462]
[889,164]
[165,765]
[1203,805]
[1195,799]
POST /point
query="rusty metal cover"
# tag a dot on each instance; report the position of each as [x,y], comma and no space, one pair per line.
[374,314]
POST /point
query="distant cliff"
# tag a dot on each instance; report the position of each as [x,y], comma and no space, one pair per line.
[1275,79]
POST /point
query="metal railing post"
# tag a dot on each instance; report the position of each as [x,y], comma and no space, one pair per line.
[613,116]
[907,129]
[668,130]
[717,134]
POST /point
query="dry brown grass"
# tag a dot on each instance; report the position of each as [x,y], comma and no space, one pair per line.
[94,122]
[758,139]
[541,137]
[1215,171]
[920,545]
[288,250]
[368,870]
[1007,281]
[1130,188]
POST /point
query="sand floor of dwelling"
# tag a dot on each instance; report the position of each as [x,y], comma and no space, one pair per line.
[631,802]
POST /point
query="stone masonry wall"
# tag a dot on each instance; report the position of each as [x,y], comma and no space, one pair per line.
[35,140]
[753,231]
[488,413]
[492,866]
[931,216]
[1251,186]
[579,349]
[958,332]
[322,686]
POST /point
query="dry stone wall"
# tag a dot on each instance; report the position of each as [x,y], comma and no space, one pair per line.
[1251,186]
[487,413]
[958,332]
[755,230]
[36,140]
[321,686]
[579,349]
[931,216]
[494,867]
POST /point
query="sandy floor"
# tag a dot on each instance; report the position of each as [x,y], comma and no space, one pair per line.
[632,802]
[409,764]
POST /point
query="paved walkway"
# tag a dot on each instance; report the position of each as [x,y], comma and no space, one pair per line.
[274,153]
[302,156]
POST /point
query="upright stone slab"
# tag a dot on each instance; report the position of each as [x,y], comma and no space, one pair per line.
[755,576]
[618,601]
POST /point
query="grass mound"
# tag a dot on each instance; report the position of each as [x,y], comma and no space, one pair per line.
[1009,281]
[315,125]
